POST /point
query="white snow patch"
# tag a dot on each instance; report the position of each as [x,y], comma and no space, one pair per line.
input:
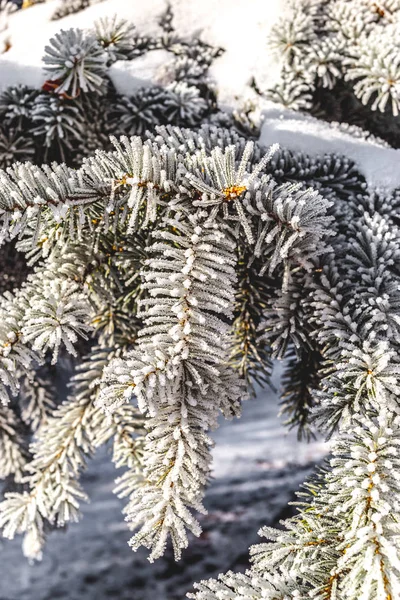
[379,165]
[241,28]
[15,70]
[144,71]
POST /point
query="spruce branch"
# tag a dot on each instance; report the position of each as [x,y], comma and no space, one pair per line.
[37,397]
[179,379]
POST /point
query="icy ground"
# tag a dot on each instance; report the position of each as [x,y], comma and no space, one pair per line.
[257,467]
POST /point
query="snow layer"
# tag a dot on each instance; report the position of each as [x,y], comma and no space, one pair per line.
[257,468]
[380,165]
[226,23]
[144,71]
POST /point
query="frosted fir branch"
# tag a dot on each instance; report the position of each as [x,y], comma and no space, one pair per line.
[356,314]
[14,147]
[178,372]
[291,222]
[376,69]
[54,493]
[363,376]
[286,316]
[221,181]
[16,104]
[59,454]
[323,61]
[176,469]
[57,121]
[366,381]
[71,7]
[184,104]
[187,287]
[19,514]
[160,508]
[76,62]
[328,42]
[290,37]
[117,37]
[57,316]
[350,21]
[344,540]
[37,203]
[46,312]
[374,531]
[179,376]
[293,91]
[136,177]
[138,174]
[15,357]
[371,371]
[329,309]
[27,192]
[355,298]
[190,143]
[240,586]
[373,250]
[178,275]
[136,114]
[344,543]
[336,178]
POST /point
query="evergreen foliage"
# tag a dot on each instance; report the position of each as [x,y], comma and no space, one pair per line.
[340,61]
[76,63]
[70,7]
[191,211]
[169,269]
[344,542]
[187,213]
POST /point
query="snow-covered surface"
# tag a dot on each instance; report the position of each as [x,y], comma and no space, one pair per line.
[257,468]
[380,165]
[235,25]
[145,71]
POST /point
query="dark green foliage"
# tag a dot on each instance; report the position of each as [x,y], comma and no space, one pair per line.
[250,355]
[299,382]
